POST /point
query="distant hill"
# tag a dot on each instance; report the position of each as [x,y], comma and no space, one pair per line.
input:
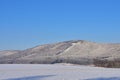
[76,52]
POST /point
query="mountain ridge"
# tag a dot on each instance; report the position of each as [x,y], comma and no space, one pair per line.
[74,51]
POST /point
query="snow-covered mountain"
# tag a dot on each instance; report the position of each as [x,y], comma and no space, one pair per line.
[76,52]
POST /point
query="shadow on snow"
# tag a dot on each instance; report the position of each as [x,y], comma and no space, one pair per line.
[32,77]
[112,78]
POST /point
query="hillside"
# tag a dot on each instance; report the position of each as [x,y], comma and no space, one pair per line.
[76,52]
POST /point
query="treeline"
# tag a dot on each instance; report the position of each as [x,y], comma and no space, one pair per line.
[115,63]
[100,62]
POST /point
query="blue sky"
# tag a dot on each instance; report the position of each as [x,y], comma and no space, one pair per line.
[27,23]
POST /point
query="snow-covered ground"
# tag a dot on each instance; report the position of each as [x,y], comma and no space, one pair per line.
[56,72]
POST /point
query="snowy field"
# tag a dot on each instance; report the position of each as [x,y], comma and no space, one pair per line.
[56,72]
